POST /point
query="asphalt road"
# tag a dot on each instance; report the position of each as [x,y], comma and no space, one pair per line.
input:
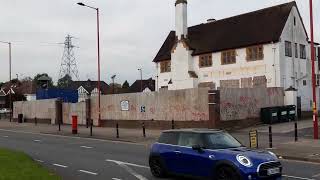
[86,159]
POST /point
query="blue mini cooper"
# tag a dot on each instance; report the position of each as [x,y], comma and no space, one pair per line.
[212,154]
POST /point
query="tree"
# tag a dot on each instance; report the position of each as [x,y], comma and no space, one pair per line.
[1,84]
[65,81]
[26,79]
[39,83]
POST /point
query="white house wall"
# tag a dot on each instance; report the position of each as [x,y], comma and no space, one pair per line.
[295,70]
[242,68]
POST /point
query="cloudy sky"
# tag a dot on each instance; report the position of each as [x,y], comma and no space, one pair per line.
[132,32]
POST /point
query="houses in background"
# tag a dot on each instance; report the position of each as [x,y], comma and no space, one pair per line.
[264,48]
[143,86]
[88,88]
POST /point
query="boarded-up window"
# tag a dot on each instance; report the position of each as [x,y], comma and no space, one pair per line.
[246,82]
[205,60]
[255,53]
[260,81]
[288,49]
[229,83]
[165,66]
[303,54]
[228,57]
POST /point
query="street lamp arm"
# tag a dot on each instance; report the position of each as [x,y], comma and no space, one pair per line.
[82,4]
[5,42]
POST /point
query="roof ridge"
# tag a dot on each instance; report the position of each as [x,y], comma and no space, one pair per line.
[251,12]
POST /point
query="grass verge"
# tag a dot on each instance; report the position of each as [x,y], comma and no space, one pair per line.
[19,166]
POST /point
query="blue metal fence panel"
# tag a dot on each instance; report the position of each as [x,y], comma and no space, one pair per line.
[66,95]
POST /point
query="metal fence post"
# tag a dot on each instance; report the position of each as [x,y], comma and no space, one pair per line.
[296,131]
[59,123]
[270,136]
[117,128]
[91,125]
[144,129]
[35,121]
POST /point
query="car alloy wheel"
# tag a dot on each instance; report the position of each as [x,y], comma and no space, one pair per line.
[156,167]
[226,173]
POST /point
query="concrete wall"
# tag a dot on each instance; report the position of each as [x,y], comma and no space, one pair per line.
[43,110]
[180,105]
[239,104]
[74,109]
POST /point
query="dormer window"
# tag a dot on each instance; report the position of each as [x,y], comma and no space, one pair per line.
[205,60]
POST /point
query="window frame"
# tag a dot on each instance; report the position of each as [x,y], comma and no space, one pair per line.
[165,66]
[205,60]
[229,57]
[303,51]
[255,53]
[288,48]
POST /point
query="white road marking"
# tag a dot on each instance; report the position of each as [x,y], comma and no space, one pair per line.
[71,137]
[86,147]
[126,163]
[37,140]
[59,165]
[5,136]
[295,177]
[116,179]
[39,160]
[88,172]
[315,176]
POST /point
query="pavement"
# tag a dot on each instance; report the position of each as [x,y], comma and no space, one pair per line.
[83,153]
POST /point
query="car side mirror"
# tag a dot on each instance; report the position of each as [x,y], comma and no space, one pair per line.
[197,148]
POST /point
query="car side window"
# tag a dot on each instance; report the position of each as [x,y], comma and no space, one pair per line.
[169,138]
[190,139]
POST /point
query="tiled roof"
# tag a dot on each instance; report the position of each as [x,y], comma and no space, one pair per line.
[258,27]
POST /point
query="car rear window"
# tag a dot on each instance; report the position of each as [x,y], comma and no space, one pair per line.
[169,138]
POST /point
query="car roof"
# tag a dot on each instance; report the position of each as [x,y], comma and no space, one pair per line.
[204,130]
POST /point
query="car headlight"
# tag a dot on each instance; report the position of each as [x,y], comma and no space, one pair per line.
[272,154]
[243,160]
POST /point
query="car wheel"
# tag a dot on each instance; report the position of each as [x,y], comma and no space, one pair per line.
[156,167]
[226,173]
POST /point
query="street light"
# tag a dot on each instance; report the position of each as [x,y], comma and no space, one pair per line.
[98,41]
[10,96]
[140,69]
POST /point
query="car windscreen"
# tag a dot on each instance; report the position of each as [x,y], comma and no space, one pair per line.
[220,140]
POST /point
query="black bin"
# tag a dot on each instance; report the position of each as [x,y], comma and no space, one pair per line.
[292,113]
[283,114]
[20,118]
[270,115]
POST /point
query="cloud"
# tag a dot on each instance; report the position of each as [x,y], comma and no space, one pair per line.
[132,31]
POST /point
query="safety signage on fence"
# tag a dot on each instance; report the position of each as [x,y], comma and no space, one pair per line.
[253,135]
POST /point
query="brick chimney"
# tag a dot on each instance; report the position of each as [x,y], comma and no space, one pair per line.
[181,19]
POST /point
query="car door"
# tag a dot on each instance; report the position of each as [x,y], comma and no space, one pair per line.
[194,162]
[169,151]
